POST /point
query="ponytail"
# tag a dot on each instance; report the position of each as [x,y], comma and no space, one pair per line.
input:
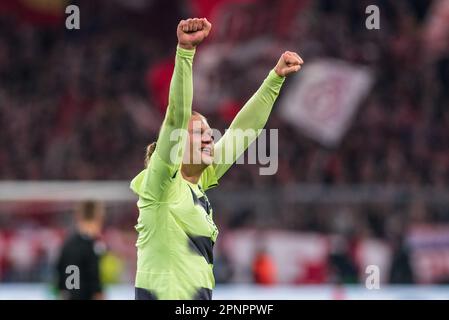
[149,151]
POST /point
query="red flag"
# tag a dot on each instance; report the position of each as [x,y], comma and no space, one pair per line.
[38,12]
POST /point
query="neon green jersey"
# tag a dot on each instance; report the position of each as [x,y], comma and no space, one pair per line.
[175,224]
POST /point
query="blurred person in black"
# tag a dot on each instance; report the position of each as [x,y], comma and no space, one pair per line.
[343,270]
[401,269]
[83,250]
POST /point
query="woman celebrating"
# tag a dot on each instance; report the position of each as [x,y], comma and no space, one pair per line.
[175,225]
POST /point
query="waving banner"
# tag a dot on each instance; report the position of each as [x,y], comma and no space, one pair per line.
[324,98]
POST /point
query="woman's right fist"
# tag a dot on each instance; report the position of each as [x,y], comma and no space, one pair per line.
[192,31]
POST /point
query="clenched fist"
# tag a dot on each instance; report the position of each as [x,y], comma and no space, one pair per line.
[192,31]
[288,63]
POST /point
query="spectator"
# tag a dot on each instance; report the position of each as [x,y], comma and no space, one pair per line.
[264,269]
[83,251]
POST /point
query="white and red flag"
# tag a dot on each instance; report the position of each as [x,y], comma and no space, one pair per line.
[324,97]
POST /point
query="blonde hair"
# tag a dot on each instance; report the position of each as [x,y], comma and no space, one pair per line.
[149,151]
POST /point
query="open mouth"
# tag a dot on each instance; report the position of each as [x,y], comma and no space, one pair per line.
[207,151]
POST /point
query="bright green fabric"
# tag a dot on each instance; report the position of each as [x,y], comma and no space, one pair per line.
[168,216]
[252,116]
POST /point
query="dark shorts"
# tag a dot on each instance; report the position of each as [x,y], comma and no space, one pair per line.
[144,294]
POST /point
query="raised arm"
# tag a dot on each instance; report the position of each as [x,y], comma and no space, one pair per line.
[246,126]
[167,157]
[170,146]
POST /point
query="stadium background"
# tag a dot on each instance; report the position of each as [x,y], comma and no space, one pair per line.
[78,107]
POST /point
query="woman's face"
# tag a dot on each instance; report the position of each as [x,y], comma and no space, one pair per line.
[200,142]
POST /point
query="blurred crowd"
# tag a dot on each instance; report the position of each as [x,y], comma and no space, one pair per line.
[84,104]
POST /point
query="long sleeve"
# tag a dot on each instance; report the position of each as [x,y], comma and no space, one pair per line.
[167,158]
[253,116]
[179,109]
